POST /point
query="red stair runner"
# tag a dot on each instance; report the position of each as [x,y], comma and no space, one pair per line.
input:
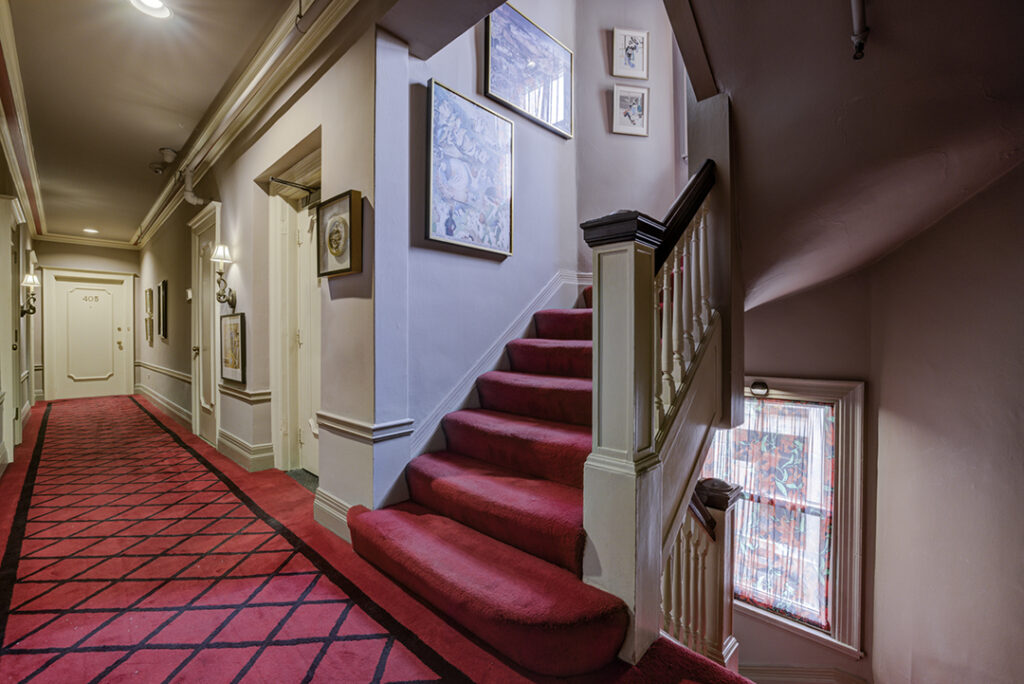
[493,535]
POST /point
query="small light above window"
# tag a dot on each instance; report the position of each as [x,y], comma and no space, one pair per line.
[759,388]
[154,8]
[90,231]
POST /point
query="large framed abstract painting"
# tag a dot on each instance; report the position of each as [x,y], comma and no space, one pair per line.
[528,70]
[232,347]
[470,173]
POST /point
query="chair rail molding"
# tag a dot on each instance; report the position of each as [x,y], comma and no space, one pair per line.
[368,433]
[251,397]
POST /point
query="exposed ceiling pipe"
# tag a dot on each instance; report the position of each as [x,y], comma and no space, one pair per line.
[860,29]
[188,194]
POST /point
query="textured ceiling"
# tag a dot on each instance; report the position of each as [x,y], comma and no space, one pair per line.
[106,86]
[837,161]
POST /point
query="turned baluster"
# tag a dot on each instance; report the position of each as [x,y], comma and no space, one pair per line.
[668,385]
[679,358]
[705,272]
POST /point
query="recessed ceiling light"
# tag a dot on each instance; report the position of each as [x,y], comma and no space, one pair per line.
[154,8]
[90,231]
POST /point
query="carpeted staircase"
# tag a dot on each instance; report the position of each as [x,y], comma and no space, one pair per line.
[492,535]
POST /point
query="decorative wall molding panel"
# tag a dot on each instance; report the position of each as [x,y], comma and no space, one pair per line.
[458,396]
[362,431]
[252,457]
[249,397]
[169,372]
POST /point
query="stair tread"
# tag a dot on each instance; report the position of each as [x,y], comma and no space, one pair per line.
[560,398]
[556,451]
[534,612]
[539,516]
[542,356]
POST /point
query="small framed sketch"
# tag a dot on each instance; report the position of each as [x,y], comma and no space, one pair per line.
[149,330]
[629,53]
[149,301]
[158,312]
[339,230]
[528,70]
[164,305]
[470,174]
[232,347]
[630,110]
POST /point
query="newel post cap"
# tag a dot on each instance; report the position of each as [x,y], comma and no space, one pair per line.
[623,226]
[718,494]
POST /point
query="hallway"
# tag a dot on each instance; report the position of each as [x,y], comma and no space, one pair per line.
[134,553]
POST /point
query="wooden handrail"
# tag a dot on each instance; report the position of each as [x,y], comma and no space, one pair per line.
[683,210]
[703,516]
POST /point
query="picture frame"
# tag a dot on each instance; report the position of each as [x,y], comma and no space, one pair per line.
[149,301]
[630,110]
[232,347]
[522,60]
[164,305]
[339,230]
[149,330]
[630,53]
[470,172]
[158,312]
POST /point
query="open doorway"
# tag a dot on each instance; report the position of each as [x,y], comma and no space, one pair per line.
[295,295]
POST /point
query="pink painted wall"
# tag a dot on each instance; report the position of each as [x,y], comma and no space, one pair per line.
[936,329]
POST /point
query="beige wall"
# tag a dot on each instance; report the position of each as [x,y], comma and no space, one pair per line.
[936,330]
[86,258]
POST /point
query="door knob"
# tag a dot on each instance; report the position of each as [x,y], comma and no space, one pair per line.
[195,352]
[14,346]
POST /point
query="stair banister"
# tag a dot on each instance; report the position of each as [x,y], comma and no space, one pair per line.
[654,332]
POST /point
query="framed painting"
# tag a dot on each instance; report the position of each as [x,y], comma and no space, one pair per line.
[629,53]
[339,231]
[528,70]
[158,312]
[149,301]
[164,305]
[470,173]
[630,110]
[232,347]
[149,329]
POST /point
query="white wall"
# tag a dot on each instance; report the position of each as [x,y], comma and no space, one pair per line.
[936,330]
[623,171]
[166,257]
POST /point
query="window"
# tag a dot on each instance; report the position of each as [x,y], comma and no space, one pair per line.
[798,457]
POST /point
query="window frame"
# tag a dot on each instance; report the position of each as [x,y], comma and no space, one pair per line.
[847,512]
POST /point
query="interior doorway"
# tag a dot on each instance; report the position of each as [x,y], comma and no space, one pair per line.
[205,227]
[295,337]
[88,348]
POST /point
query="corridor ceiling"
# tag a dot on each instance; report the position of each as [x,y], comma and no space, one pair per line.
[106,86]
[839,161]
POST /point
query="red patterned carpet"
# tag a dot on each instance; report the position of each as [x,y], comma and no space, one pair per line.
[131,557]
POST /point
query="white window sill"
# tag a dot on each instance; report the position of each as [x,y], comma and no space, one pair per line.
[810,633]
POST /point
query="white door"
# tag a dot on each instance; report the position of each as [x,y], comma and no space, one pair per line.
[295,337]
[87,338]
[205,233]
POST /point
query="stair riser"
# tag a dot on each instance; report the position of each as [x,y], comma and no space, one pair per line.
[568,324]
[572,363]
[561,405]
[556,541]
[560,461]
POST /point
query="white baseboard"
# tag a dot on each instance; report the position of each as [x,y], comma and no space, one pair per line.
[785,674]
[332,513]
[460,394]
[39,395]
[4,457]
[252,457]
[179,412]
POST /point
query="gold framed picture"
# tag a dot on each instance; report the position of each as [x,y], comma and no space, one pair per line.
[339,229]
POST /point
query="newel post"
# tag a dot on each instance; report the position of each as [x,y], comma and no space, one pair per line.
[622,488]
[720,498]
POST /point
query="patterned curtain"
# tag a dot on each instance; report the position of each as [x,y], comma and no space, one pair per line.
[783,456]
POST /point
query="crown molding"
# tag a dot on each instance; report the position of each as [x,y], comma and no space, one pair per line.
[15,136]
[279,58]
[85,242]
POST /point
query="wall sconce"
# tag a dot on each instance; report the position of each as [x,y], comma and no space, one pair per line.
[222,257]
[31,281]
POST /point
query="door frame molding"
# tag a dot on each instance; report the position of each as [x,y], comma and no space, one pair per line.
[208,217]
[50,276]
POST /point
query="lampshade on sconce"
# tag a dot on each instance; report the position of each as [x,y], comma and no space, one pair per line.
[222,257]
[30,281]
